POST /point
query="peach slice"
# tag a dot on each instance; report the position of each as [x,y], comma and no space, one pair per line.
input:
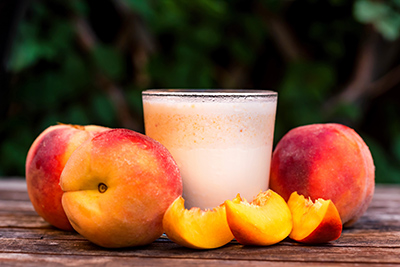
[265,221]
[314,222]
[196,228]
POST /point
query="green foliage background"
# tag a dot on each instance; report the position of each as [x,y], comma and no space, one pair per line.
[86,62]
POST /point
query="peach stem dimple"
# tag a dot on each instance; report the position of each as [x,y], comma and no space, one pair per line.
[102,188]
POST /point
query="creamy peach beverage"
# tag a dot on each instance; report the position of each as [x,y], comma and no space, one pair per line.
[220,139]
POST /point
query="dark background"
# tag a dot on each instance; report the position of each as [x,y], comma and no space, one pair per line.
[86,62]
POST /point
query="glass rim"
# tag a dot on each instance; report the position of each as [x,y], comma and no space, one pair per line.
[210,92]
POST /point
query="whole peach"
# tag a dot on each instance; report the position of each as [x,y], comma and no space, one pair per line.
[329,161]
[117,187]
[44,163]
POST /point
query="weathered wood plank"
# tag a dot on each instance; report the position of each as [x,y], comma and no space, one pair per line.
[16,206]
[26,239]
[49,233]
[26,260]
[13,189]
[360,238]
[16,184]
[26,221]
[232,252]
[378,232]
[14,195]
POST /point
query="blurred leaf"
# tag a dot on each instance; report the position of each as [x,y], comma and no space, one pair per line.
[240,49]
[302,93]
[49,120]
[207,36]
[370,11]
[308,80]
[212,7]
[25,53]
[80,7]
[74,66]
[396,147]
[142,7]
[275,5]
[347,111]
[389,26]
[169,15]
[13,155]
[380,14]
[76,114]
[254,29]
[385,170]
[34,44]
[103,109]
[110,61]
[134,98]
[338,2]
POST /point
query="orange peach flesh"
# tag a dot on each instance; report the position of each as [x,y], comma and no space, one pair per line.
[314,222]
[265,221]
[196,228]
[45,161]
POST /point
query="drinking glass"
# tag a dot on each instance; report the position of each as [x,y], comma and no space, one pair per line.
[221,139]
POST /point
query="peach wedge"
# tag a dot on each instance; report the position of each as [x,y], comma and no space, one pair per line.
[314,222]
[265,221]
[196,228]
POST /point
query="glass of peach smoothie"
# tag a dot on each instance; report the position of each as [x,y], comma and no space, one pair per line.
[220,139]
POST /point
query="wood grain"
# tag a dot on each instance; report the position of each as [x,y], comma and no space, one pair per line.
[27,240]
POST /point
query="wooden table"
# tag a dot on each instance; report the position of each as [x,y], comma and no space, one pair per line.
[27,240]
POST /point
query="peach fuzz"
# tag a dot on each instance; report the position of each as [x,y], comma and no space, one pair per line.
[328,161]
[45,161]
[196,228]
[117,187]
[265,221]
[314,222]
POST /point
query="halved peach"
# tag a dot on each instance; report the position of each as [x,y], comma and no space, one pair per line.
[265,221]
[314,222]
[196,228]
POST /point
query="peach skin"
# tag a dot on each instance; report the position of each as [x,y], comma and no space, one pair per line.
[328,161]
[314,223]
[117,187]
[45,161]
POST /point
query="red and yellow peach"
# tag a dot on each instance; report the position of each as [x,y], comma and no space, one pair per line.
[117,187]
[45,161]
[328,161]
